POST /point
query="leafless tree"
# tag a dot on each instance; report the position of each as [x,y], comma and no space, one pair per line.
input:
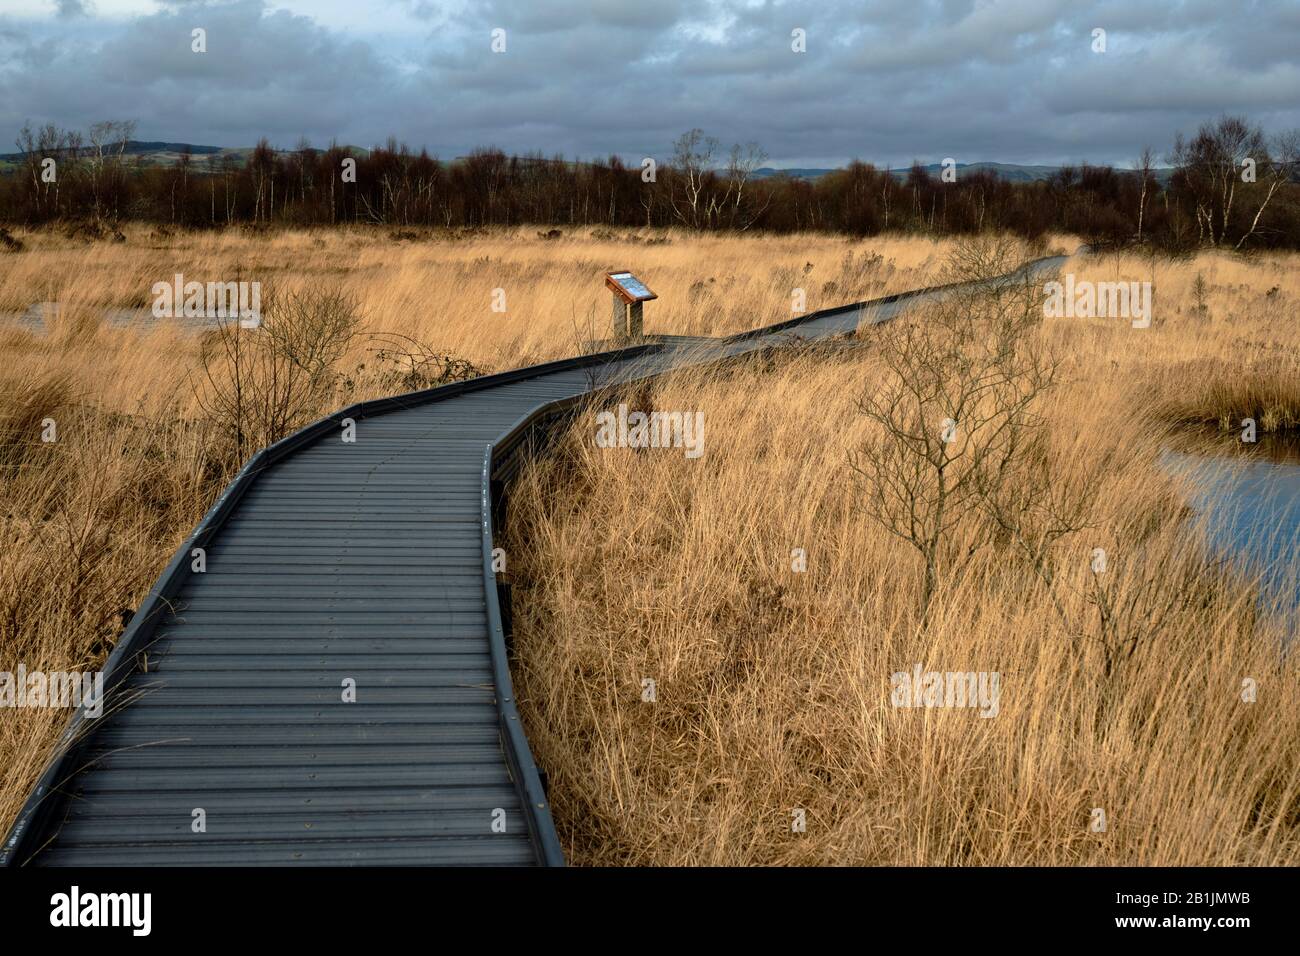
[1212,168]
[37,146]
[1282,165]
[108,141]
[693,154]
[740,168]
[1145,164]
[954,412]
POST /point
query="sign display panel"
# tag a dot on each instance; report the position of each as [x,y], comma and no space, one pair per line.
[629,286]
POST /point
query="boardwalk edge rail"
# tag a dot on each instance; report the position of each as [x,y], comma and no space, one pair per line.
[45,801]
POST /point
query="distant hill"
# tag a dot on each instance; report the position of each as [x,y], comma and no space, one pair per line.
[134,147]
[794,172]
[169,154]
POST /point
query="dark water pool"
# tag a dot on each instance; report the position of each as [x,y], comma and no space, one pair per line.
[1248,499]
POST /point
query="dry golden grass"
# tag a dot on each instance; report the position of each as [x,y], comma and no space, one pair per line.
[87,522]
[439,288]
[770,683]
[773,686]
[90,520]
[1232,351]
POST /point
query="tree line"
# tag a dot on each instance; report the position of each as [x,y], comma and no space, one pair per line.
[1230,186]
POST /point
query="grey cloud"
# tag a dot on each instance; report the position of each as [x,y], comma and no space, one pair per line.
[563,15]
[886,81]
[73,8]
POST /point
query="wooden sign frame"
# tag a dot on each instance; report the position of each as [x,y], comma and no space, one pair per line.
[619,290]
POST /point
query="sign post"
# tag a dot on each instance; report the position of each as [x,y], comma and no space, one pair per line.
[629,294]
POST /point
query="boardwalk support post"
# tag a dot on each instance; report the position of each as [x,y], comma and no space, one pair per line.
[618,323]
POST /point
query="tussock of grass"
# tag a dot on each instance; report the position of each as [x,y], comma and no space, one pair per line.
[27,399]
[1214,358]
[1225,391]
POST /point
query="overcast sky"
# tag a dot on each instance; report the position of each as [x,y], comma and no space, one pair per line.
[886,81]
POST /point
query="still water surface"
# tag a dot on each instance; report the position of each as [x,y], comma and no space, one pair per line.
[1248,499]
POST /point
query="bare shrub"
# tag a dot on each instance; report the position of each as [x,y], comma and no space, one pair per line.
[953,410]
[260,385]
[402,363]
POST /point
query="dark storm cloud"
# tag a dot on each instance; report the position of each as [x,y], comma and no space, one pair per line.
[1015,80]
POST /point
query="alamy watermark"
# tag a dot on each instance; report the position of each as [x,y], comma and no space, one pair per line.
[25,688]
[73,909]
[654,430]
[1093,300]
[923,688]
[212,300]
